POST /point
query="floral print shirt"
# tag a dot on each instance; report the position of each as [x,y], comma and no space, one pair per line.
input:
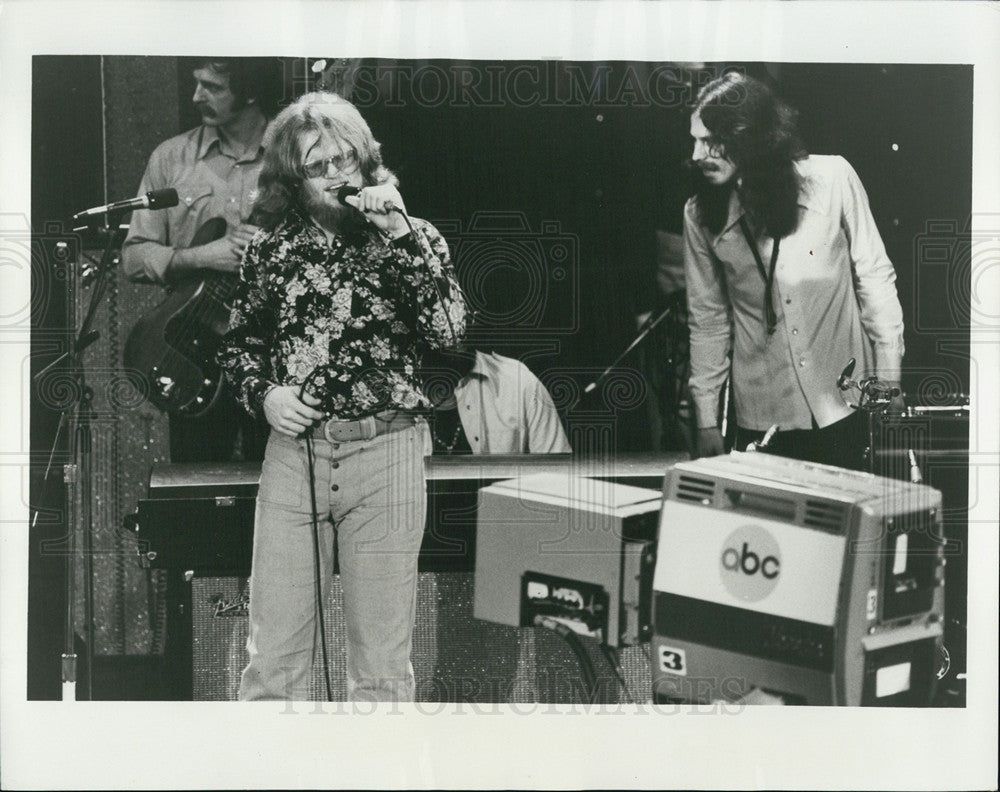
[352,315]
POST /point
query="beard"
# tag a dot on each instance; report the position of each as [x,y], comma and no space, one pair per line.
[335,218]
[712,201]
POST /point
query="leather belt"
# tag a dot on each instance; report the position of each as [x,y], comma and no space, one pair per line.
[365,428]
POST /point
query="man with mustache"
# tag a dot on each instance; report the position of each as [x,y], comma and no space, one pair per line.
[335,309]
[785,270]
[214,168]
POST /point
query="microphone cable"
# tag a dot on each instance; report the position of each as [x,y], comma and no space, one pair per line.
[310,455]
[347,191]
[437,287]
[318,576]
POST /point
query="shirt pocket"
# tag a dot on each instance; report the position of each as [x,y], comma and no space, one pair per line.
[192,193]
[195,220]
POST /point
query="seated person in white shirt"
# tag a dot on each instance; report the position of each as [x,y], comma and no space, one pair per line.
[489,404]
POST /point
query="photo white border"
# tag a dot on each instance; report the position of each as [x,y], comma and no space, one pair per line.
[187,745]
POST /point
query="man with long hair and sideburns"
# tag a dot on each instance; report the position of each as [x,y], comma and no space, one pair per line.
[341,294]
[786,272]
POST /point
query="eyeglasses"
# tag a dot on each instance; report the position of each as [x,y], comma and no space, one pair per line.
[342,163]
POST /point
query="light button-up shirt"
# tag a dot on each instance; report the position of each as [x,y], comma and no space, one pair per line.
[211,181]
[834,296]
[505,409]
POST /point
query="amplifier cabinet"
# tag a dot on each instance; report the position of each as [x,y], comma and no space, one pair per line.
[813,583]
[199,518]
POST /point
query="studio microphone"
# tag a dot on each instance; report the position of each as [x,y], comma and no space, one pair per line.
[347,190]
[844,380]
[880,389]
[155,199]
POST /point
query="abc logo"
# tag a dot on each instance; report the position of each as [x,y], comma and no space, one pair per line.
[750,563]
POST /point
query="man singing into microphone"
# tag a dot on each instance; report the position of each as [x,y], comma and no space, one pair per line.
[786,269]
[334,311]
[214,168]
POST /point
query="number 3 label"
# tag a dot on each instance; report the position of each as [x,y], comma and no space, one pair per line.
[673,661]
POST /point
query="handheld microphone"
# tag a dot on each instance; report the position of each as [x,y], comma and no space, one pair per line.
[347,190]
[155,199]
[344,192]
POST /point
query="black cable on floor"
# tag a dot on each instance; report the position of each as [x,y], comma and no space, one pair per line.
[586,666]
[612,656]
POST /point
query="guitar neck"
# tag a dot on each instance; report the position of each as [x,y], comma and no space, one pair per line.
[220,286]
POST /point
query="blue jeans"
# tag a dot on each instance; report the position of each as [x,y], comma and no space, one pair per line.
[371,500]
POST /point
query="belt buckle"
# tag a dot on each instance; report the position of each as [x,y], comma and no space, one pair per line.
[349,431]
[328,431]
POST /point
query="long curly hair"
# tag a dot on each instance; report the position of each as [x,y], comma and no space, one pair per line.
[280,182]
[758,132]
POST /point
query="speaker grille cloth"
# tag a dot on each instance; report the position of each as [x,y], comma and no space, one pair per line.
[455,657]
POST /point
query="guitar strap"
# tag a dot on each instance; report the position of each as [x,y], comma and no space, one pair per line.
[767,276]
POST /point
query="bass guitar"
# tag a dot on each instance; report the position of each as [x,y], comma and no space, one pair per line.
[173,347]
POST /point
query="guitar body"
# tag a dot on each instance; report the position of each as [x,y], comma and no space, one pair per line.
[174,346]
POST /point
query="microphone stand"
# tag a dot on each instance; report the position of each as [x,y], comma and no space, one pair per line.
[875,397]
[78,479]
[647,329]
